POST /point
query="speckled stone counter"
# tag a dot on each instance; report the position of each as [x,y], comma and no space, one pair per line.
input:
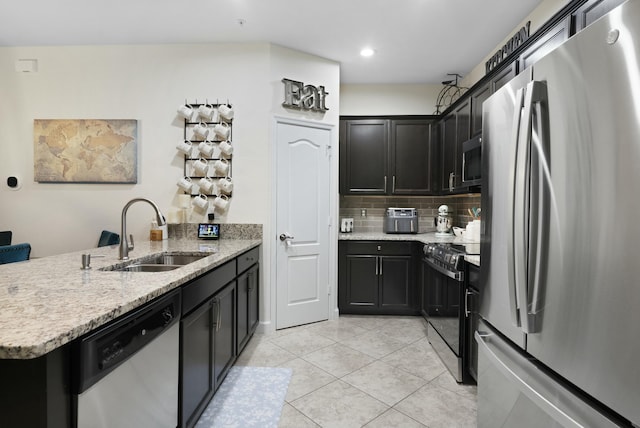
[425,238]
[48,302]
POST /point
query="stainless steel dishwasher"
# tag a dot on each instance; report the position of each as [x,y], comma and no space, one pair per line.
[127,371]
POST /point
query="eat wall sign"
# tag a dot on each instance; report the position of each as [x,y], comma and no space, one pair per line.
[304,97]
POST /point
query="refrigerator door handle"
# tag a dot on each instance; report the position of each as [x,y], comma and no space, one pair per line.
[538,221]
[553,399]
[512,192]
[528,287]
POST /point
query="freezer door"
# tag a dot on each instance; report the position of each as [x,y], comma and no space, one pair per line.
[588,285]
[501,125]
[514,392]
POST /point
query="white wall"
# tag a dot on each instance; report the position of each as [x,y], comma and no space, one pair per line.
[371,100]
[146,83]
[294,65]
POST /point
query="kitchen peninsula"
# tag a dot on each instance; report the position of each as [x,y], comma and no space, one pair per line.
[47,304]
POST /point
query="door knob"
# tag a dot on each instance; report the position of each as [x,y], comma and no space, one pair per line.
[285,236]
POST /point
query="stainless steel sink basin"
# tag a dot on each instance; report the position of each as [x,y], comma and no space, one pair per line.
[158,263]
[149,268]
[174,259]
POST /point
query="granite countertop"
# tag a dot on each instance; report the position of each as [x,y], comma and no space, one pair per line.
[425,238]
[48,302]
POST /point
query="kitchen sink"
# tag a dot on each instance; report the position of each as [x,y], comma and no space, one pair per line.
[158,263]
[148,268]
[174,259]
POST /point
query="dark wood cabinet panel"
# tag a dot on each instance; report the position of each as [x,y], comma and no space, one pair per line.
[591,11]
[455,130]
[447,152]
[386,157]
[410,154]
[363,156]
[362,279]
[478,96]
[376,278]
[545,44]
[196,368]
[224,334]
[395,282]
[247,315]
[503,76]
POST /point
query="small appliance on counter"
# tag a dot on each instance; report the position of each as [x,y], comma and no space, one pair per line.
[346,225]
[400,220]
[443,222]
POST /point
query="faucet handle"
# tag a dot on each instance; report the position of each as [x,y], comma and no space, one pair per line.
[131,242]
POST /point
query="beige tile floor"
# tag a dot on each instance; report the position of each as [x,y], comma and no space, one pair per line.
[363,371]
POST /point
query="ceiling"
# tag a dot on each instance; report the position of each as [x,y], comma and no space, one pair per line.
[416,41]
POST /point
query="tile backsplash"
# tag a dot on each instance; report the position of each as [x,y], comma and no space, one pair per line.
[427,206]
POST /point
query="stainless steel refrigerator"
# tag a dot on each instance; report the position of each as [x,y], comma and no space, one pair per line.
[560,341]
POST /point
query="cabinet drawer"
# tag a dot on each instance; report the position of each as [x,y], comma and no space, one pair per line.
[382,248]
[200,289]
[246,260]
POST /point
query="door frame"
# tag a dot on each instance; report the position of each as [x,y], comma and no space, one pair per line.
[272,244]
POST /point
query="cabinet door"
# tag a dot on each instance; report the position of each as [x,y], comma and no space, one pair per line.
[224,346]
[447,152]
[360,288]
[503,76]
[196,367]
[410,157]
[551,39]
[364,156]
[463,128]
[477,98]
[247,315]
[242,322]
[254,298]
[395,283]
[592,10]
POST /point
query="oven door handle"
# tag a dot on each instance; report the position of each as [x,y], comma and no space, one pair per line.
[458,276]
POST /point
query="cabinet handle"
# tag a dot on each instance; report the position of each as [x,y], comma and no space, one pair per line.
[376,266]
[215,318]
[380,258]
[385,183]
[451,179]
[393,184]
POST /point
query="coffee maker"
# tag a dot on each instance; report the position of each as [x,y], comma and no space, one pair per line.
[443,222]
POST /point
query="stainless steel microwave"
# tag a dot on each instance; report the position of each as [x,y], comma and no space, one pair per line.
[471,161]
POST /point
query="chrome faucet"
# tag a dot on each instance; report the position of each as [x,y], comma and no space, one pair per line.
[124,243]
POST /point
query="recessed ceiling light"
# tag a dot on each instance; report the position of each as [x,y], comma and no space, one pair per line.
[367,52]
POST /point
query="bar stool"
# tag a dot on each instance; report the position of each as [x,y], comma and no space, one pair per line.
[14,253]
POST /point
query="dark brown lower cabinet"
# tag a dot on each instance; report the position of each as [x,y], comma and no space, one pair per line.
[376,278]
[247,306]
[208,350]
[196,369]
[220,315]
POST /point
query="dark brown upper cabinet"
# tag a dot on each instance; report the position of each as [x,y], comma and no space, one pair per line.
[386,157]
[590,11]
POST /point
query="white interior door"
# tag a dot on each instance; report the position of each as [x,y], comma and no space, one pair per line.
[302,223]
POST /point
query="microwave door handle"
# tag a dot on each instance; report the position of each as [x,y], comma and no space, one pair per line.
[511,200]
[541,181]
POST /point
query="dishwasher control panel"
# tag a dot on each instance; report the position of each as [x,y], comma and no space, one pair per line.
[101,351]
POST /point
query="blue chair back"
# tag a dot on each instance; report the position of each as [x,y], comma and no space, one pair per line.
[108,238]
[5,237]
[14,253]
